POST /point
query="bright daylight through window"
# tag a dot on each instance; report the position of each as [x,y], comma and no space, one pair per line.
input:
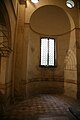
[47,52]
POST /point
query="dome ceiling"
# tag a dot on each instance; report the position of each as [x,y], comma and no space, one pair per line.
[50,20]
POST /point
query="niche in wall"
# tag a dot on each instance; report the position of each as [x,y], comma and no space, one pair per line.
[50,20]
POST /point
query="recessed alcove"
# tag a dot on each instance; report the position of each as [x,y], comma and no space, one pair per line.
[50,20]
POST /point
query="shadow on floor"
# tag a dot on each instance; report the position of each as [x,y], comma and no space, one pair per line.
[43,107]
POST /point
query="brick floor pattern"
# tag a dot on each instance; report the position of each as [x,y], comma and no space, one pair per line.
[43,104]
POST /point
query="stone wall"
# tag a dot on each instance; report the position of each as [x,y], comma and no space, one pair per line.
[29,78]
[6,60]
[78,62]
[70,70]
[45,80]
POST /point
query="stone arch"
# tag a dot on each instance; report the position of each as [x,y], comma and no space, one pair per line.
[5,47]
[34,24]
[6,21]
[59,70]
[70,30]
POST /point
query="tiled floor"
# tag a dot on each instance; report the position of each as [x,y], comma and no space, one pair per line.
[42,107]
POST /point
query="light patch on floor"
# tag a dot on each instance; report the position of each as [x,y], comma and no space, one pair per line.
[54,118]
[42,107]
